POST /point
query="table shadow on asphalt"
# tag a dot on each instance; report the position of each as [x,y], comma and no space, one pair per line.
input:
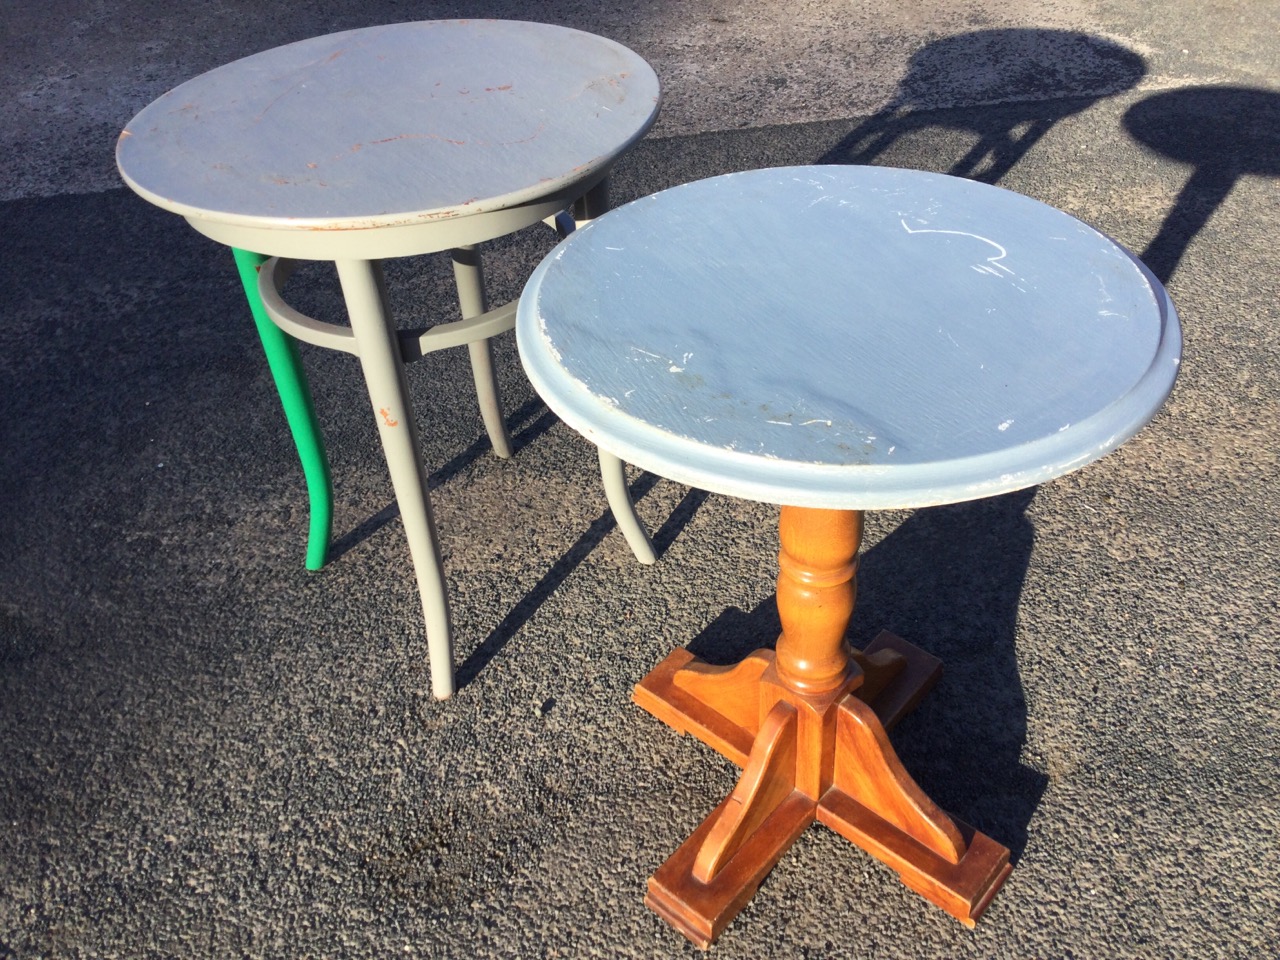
[572,558]
[1223,133]
[521,436]
[1037,76]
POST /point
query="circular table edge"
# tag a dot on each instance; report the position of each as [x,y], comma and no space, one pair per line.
[831,486]
[482,205]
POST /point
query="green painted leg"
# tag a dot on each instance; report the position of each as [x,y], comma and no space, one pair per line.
[299,411]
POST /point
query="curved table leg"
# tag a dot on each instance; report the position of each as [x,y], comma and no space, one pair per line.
[379,351]
[469,275]
[815,714]
[613,472]
[299,410]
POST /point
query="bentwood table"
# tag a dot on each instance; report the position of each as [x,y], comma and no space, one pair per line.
[837,339]
[394,141]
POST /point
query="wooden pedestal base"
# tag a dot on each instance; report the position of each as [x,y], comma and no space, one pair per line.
[808,726]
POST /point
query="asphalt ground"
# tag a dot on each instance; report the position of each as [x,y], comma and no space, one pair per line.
[207,751]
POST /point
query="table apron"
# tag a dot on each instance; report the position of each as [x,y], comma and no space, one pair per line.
[401,240]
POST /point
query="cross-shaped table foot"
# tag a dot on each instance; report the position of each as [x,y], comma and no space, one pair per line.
[808,726]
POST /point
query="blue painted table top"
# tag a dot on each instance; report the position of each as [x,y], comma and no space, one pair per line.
[848,337]
[391,125]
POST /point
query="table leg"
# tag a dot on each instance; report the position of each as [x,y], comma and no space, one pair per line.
[808,723]
[613,472]
[299,410]
[469,276]
[594,203]
[379,351]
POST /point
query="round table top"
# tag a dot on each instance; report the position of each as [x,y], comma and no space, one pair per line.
[848,337]
[391,125]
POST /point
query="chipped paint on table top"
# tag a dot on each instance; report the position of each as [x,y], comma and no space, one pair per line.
[390,125]
[848,337]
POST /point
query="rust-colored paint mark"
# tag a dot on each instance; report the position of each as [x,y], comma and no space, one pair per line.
[505,86]
[368,225]
[585,166]
[125,133]
[312,166]
[419,136]
[267,108]
[386,417]
[533,136]
[335,55]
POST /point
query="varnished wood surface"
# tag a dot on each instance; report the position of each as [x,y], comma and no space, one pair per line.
[867,797]
[701,911]
[868,770]
[808,724]
[817,589]
[768,779]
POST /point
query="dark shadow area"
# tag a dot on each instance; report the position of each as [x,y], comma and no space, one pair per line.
[1034,77]
[1224,133]
[679,518]
[734,633]
[949,580]
[520,438]
[560,571]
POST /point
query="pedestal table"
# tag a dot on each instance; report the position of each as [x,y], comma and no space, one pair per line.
[834,340]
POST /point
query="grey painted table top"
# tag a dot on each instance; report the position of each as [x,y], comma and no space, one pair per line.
[848,337]
[390,125]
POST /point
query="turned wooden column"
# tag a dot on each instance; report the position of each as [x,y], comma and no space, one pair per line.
[817,589]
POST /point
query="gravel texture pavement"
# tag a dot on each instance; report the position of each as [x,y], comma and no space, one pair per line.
[207,751]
